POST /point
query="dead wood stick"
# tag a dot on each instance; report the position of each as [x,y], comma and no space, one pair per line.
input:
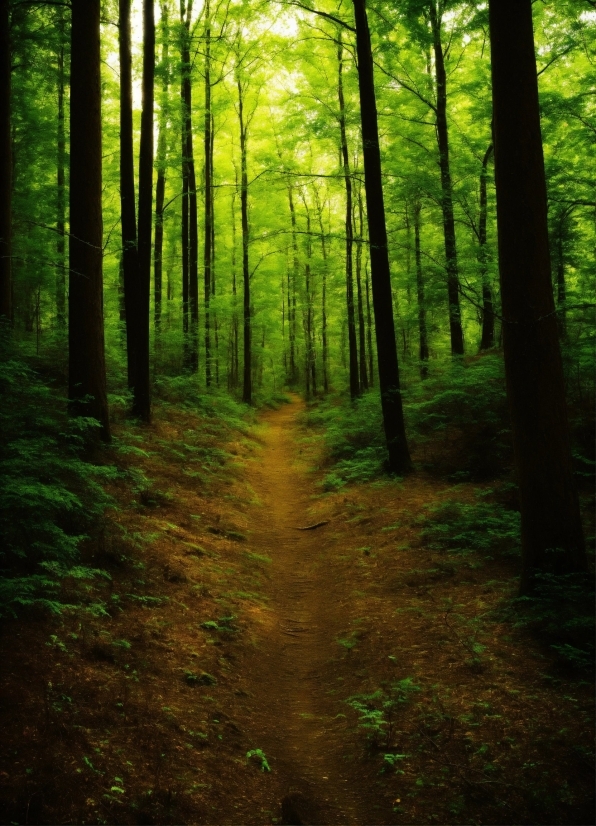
[312,527]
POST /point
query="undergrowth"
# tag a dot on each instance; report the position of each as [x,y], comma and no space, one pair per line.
[51,498]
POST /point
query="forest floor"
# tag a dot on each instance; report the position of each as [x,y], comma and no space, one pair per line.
[249,672]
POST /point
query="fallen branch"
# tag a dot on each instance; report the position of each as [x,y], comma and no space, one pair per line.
[312,527]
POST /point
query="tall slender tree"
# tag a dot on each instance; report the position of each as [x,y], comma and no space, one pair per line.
[488,315]
[86,356]
[208,211]
[552,538]
[142,387]
[161,160]
[5,165]
[352,346]
[190,237]
[243,125]
[391,401]
[60,179]
[128,219]
[422,328]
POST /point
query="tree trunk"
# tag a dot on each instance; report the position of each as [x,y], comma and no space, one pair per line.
[234,377]
[422,330]
[353,349]
[130,261]
[190,240]
[455,326]
[292,292]
[160,187]
[86,356]
[324,302]
[361,330]
[60,186]
[247,383]
[391,402]
[310,361]
[142,387]
[552,538]
[488,316]
[5,166]
[208,193]
[371,372]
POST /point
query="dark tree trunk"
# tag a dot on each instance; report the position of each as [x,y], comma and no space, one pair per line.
[247,383]
[190,239]
[488,316]
[292,292]
[422,330]
[455,326]
[234,378]
[371,372]
[142,387]
[5,166]
[361,330]
[86,356]
[60,186]
[310,361]
[324,302]
[552,538]
[130,261]
[352,346]
[391,402]
[208,194]
[160,187]
[561,285]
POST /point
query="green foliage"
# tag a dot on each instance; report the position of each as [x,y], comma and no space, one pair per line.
[561,611]
[460,420]
[378,711]
[462,528]
[50,498]
[258,756]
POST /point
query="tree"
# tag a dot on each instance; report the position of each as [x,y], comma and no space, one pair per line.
[391,402]
[160,186]
[87,371]
[349,227]
[488,315]
[5,165]
[552,539]
[190,238]
[142,387]
[128,219]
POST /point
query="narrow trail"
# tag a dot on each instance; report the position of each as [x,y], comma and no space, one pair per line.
[290,669]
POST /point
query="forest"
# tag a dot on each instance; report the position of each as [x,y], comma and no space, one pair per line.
[297,439]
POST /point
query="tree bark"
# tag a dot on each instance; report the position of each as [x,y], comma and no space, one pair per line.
[190,239]
[371,372]
[247,377]
[391,402]
[142,388]
[86,356]
[208,193]
[324,301]
[60,186]
[130,260]
[352,346]
[422,329]
[361,330]
[552,538]
[5,166]
[488,316]
[292,291]
[160,187]
[453,287]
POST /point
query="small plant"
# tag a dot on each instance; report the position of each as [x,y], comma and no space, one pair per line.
[258,756]
[378,710]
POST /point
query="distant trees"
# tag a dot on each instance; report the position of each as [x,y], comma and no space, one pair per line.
[87,370]
[552,539]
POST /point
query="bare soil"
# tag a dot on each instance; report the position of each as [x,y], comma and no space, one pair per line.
[231,632]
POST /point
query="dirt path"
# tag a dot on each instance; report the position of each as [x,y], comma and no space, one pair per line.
[293,716]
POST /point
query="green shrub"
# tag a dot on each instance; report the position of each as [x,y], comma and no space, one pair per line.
[483,527]
[49,496]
